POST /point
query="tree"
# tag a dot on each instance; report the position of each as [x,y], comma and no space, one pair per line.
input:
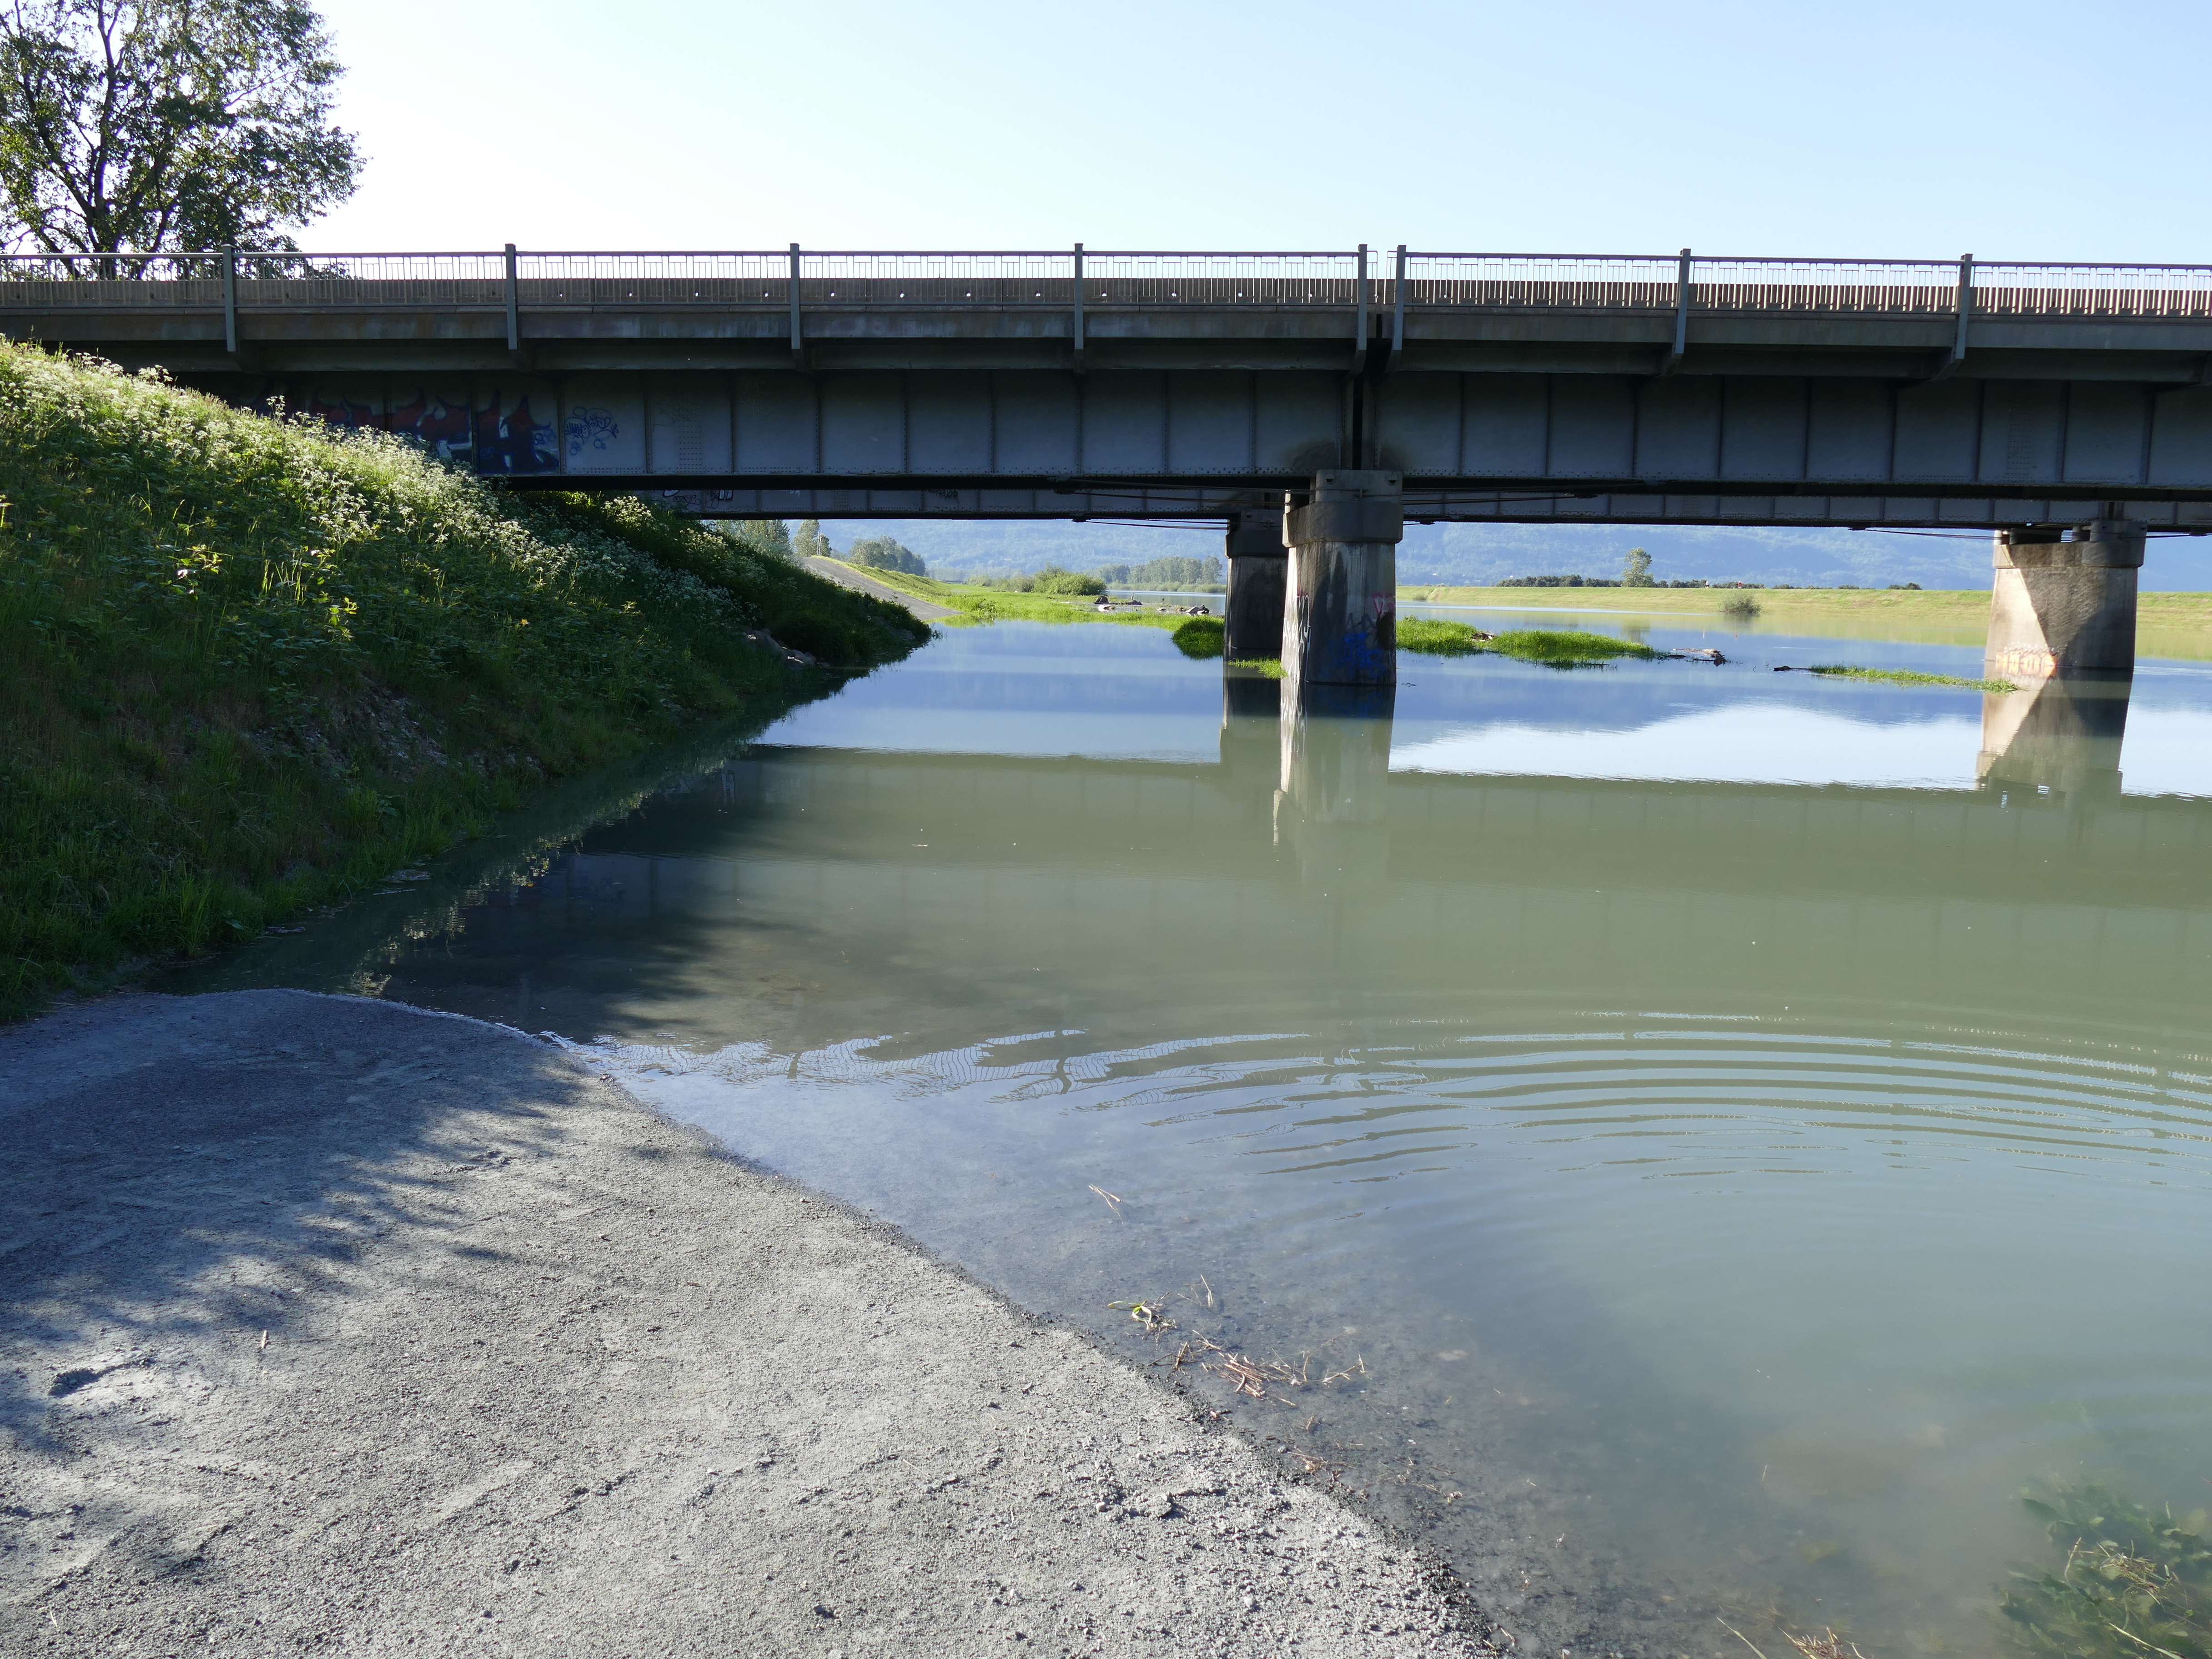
[810,543]
[883,553]
[1636,569]
[152,125]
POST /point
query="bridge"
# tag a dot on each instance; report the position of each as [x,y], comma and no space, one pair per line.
[2066,407]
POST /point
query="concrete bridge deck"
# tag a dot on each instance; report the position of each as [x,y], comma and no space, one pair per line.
[1070,383]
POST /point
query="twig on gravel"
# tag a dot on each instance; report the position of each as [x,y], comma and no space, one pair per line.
[1113,1199]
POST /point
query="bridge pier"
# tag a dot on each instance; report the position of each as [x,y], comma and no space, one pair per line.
[1257,563]
[1340,617]
[2064,606]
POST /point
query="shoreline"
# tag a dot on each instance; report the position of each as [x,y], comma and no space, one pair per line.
[339,1320]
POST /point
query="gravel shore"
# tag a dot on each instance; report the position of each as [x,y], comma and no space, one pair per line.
[335,1324]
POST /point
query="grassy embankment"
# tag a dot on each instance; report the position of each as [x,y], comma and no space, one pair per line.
[257,665]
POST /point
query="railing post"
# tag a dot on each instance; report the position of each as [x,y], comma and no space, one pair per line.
[1359,327]
[1682,313]
[1398,308]
[513,307]
[798,330]
[1078,307]
[1966,305]
[230,301]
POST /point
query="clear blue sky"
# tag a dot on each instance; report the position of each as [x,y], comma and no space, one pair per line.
[2020,130]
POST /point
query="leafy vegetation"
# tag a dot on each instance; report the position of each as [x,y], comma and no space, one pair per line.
[883,553]
[1909,677]
[1740,605]
[257,663]
[1201,637]
[2130,1580]
[159,125]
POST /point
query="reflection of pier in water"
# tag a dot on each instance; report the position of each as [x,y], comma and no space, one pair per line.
[2060,738]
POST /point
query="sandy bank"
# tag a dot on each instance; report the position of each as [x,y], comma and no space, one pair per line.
[332,1323]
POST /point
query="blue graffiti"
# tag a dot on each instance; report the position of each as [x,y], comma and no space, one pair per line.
[595,428]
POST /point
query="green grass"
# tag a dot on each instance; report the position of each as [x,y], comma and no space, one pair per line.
[1201,637]
[982,605]
[1909,677]
[1566,648]
[1433,638]
[255,665]
[2129,1580]
[1269,668]
[1563,648]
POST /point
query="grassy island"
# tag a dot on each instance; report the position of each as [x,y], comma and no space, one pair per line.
[256,664]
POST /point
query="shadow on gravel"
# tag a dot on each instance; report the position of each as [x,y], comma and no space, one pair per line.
[205,1165]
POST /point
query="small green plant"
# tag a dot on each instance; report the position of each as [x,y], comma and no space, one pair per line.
[1201,637]
[1052,579]
[1836,670]
[2130,1580]
[1742,606]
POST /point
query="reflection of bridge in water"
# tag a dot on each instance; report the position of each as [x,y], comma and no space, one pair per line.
[1298,867]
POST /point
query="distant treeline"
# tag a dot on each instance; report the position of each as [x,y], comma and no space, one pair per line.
[1173,572]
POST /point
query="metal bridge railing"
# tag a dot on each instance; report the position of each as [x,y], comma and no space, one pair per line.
[1681,283]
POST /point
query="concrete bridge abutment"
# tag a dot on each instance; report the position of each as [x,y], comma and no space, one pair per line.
[1340,610]
[2063,605]
[1258,561]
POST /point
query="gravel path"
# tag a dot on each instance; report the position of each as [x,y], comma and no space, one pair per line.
[845,576]
[333,1323]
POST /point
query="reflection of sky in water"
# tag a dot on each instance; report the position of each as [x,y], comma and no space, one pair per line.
[1739,1191]
[1125,693]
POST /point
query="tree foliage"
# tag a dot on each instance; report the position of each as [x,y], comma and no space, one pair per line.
[155,125]
[810,543]
[883,553]
[1636,569]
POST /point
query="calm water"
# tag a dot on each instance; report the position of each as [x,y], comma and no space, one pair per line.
[1736,1129]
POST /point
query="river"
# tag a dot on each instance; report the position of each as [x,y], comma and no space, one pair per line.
[1692,1142]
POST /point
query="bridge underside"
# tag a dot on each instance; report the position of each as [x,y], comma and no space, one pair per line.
[1202,442]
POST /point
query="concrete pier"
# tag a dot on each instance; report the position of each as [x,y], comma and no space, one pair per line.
[2059,606]
[1340,621]
[1257,563]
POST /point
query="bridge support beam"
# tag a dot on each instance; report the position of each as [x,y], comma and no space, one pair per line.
[1257,561]
[2061,607]
[1340,617]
